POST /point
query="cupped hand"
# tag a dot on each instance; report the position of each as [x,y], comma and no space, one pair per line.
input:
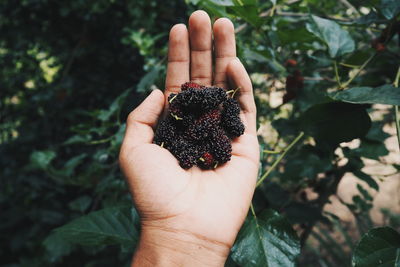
[192,212]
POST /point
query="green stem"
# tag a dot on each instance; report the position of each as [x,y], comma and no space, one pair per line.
[396,108]
[252,210]
[337,74]
[284,152]
[344,85]
[271,152]
[101,141]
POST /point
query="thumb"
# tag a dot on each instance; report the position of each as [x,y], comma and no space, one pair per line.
[142,120]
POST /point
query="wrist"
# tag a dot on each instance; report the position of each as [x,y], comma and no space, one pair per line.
[170,247]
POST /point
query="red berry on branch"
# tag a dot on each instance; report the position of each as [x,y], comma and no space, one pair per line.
[291,63]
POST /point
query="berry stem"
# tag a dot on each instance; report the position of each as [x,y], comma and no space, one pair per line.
[233,92]
[176,117]
[276,162]
[172,99]
[216,165]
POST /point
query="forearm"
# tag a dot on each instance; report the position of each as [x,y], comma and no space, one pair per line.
[171,248]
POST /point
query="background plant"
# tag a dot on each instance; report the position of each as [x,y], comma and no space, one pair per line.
[72,70]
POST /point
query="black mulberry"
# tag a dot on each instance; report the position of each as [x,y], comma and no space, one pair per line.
[199,126]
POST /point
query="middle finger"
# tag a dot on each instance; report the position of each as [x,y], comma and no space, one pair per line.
[200,35]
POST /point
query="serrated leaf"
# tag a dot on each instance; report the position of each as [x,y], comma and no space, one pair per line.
[377,248]
[266,240]
[338,40]
[110,226]
[385,94]
[335,122]
[390,8]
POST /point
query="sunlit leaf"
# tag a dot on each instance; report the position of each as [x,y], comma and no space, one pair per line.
[338,40]
[390,8]
[385,94]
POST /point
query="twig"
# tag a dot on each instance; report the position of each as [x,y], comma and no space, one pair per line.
[284,152]
[344,85]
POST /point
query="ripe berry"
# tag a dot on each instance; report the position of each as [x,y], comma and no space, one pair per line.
[199,127]
[206,161]
[204,125]
[291,63]
[188,85]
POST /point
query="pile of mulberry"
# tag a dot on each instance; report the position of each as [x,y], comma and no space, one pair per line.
[199,126]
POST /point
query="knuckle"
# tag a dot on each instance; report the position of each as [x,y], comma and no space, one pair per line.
[132,117]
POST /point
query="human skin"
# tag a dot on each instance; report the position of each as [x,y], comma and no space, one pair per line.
[191,217]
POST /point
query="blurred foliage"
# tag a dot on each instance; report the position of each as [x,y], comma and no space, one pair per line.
[72,70]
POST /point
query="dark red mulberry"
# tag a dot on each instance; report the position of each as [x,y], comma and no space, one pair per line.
[206,161]
[188,85]
[199,126]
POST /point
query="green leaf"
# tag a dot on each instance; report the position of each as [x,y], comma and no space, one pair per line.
[78,139]
[71,164]
[266,240]
[80,204]
[56,246]
[377,248]
[110,226]
[371,17]
[335,122]
[371,149]
[338,40]
[42,159]
[223,2]
[249,13]
[148,80]
[390,8]
[114,107]
[385,94]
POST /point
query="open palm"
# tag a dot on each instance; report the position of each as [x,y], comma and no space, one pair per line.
[207,205]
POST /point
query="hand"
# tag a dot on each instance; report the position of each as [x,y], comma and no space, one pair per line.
[191,217]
